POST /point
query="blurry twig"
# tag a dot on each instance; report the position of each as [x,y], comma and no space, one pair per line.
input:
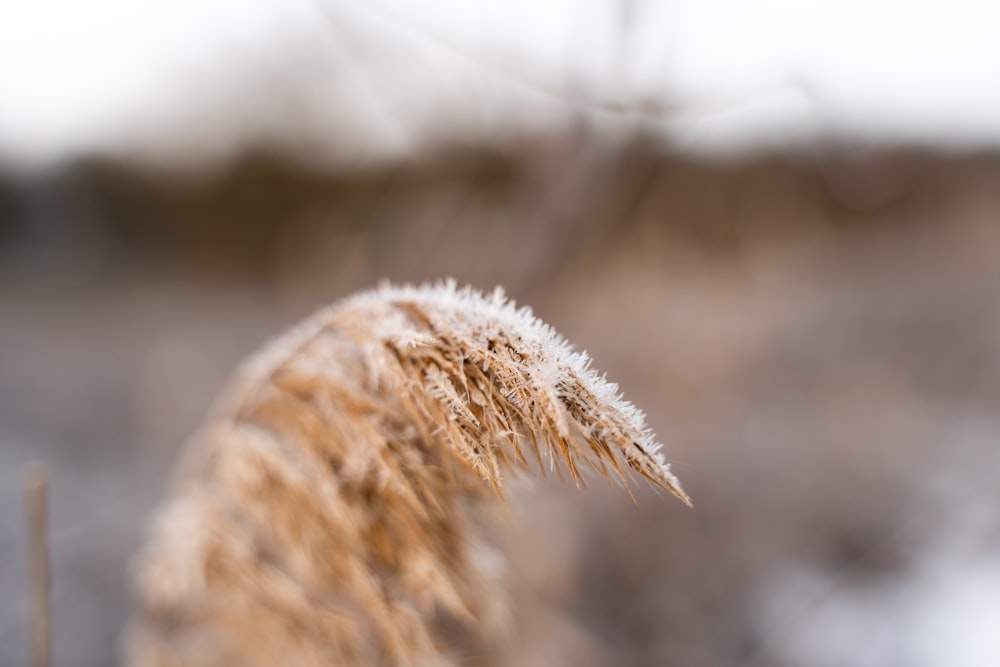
[36,500]
[642,109]
[646,109]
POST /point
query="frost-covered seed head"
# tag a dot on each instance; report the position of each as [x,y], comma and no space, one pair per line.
[328,512]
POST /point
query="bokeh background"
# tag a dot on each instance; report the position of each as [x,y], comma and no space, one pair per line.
[776,225]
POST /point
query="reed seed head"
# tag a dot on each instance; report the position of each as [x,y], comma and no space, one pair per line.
[330,509]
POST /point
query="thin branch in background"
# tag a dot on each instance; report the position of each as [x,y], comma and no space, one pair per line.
[650,109]
[36,502]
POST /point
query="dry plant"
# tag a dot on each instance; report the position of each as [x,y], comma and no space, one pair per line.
[36,505]
[330,511]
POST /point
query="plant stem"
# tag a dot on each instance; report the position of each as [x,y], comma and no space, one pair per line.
[36,498]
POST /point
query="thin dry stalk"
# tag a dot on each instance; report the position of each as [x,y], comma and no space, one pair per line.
[330,511]
[36,503]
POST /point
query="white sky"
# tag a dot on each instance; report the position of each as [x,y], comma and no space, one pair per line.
[383,75]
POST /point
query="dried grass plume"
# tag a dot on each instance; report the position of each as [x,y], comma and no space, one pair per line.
[328,512]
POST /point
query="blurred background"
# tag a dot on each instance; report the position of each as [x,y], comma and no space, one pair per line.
[774,224]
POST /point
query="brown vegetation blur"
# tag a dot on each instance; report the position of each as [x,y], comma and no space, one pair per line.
[814,335]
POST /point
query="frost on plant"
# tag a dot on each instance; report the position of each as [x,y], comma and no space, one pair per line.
[328,511]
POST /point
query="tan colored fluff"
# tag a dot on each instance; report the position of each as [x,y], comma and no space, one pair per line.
[328,512]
